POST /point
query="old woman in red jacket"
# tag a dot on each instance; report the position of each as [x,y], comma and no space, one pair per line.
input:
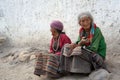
[59,38]
[48,64]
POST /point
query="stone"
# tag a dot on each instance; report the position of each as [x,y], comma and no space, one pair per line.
[32,57]
[24,56]
[100,74]
[10,58]
[2,39]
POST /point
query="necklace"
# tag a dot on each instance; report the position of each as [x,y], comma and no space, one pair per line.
[56,44]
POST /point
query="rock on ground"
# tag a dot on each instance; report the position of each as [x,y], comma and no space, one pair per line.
[100,74]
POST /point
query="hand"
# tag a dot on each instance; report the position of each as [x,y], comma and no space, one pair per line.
[73,45]
[83,41]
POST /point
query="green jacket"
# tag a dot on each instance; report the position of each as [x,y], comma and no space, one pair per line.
[98,43]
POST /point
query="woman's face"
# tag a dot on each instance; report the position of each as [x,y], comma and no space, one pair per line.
[54,32]
[85,22]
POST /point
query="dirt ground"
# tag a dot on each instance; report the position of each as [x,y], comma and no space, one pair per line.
[11,68]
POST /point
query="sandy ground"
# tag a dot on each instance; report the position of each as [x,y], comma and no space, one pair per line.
[13,69]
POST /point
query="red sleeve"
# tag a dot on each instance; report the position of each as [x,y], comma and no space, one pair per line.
[64,39]
[67,40]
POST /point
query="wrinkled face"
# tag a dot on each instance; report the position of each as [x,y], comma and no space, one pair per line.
[85,22]
[54,32]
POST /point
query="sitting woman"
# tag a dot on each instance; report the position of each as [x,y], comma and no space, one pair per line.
[48,64]
[93,52]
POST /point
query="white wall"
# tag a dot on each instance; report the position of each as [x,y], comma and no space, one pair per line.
[26,22]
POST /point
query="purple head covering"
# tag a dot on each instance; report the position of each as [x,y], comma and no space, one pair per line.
[57,25]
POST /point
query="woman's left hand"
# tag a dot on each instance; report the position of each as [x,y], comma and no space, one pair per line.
[83,41]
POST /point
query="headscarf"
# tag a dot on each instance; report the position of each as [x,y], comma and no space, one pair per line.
[85,14]
[57,25]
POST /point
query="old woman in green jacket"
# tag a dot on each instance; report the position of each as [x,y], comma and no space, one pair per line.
[88,52]
[90,35]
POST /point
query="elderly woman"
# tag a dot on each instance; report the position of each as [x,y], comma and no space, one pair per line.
[88,52]
[47,64]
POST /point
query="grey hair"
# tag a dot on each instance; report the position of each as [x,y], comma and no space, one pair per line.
[83,14]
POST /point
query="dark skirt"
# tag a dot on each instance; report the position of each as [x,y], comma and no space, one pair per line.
[79,61]
[75,64]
